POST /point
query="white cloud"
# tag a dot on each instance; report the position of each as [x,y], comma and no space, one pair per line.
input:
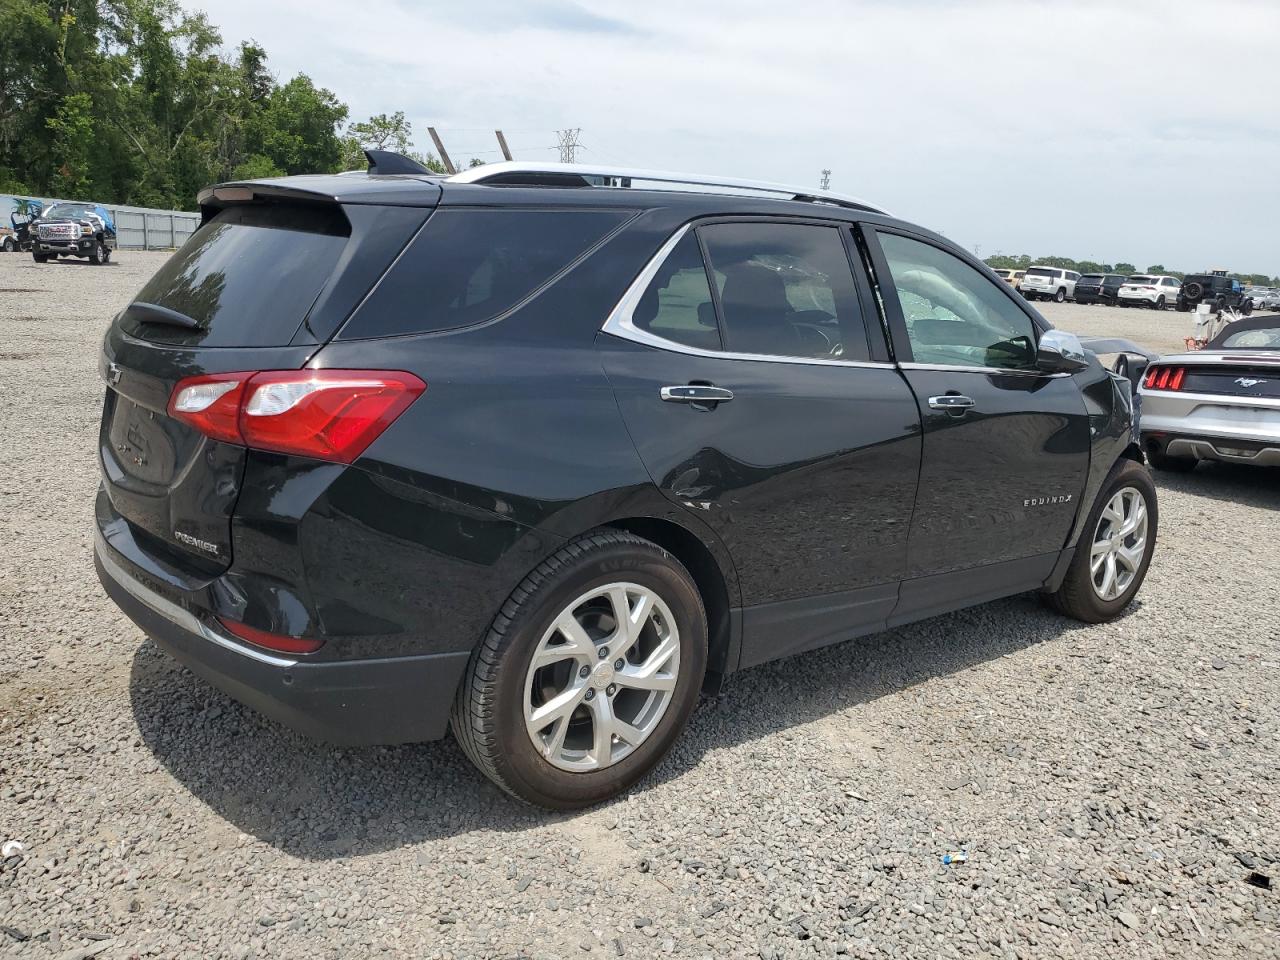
[1146,133]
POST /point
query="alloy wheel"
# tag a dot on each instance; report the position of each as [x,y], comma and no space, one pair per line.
[602,677]
[1119,544]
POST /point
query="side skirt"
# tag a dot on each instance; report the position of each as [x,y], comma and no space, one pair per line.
[771,631]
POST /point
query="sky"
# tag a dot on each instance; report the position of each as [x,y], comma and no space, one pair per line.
[1144,132]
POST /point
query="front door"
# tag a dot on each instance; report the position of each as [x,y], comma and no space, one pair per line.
[746,379]
[1006,446]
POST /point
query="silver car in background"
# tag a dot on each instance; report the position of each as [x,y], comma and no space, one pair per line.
[1219,403]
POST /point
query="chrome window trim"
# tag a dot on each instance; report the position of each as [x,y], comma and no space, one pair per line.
[620,323]
[178,615]
[960,368]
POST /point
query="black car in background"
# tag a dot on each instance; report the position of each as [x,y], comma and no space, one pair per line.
[1098,288]
[536,454]
[1217,289]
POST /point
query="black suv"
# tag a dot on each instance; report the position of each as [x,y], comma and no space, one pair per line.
[1216,289]
[539,454]
[1098,288]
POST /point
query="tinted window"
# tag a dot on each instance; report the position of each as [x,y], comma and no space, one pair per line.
[1092,278]
[471,265]
[785,290]
[954,314]
[677,304]
[1043,272]
[1140,279]
[247,277]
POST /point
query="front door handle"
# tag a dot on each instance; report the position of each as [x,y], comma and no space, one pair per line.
[696,393]
[952,403]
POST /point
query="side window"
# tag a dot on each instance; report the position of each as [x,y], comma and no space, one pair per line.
[471,265]
[954,314]
[677,304]
[786,290]
[1072,275]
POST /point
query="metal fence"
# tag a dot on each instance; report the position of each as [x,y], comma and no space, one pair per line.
[137,228]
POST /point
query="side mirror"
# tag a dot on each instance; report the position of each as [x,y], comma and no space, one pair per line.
[1060,352]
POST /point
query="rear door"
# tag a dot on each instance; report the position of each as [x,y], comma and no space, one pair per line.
[1006,447]
[257,287]
[756,386]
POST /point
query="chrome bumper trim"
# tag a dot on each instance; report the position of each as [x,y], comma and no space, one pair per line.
[174,613]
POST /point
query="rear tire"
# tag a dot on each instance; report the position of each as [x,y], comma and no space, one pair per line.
[1159,304]
[497,707]
[40,257]
[1098,557]
[1162,461]
[1061,295]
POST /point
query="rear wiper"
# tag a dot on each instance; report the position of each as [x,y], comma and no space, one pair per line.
[162,316]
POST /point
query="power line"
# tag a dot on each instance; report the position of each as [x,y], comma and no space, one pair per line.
[568,143]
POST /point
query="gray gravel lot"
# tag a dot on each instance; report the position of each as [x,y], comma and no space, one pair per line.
[1114,786]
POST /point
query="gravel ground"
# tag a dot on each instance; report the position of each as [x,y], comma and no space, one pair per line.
[1113,786]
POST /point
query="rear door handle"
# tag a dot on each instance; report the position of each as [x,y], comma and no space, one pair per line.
[696,393]
[952,402]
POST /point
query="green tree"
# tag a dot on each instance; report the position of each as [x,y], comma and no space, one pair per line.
[298,128]
[1126,268]
[72,130]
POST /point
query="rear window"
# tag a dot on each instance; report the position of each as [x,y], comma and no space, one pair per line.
[471,265]
[1264,338]
[1141,280]
[246,278]
[1092,277]
[1042,272]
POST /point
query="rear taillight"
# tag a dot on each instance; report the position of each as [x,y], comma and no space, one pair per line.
[279,642]
[1164,378]
[323,414]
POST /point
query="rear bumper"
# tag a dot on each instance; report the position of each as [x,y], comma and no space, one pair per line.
[349,702]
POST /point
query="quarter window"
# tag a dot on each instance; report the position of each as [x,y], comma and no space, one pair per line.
[954,314]
[785,290]
[677,304]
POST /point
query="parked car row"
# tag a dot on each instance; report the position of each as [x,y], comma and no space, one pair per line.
[1157,291]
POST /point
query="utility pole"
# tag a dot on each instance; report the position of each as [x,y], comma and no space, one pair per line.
[502,142]
[826,179]
[567,140]
[444,156]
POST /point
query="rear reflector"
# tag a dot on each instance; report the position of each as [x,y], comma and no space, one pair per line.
[322,414]
[271,641]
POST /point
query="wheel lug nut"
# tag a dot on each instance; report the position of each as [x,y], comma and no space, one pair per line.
[584,672]
[611,689]
[619,664]
[604,653]
[591,694]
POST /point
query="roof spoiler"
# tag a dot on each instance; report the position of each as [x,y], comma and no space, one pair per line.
[388,162]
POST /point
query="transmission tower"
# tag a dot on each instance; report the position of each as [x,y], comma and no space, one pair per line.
[567,140]
[826,179]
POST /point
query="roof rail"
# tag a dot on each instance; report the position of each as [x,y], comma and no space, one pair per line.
[549,174]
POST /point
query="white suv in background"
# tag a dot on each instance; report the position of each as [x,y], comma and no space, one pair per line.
[1052,283]
[1143,289]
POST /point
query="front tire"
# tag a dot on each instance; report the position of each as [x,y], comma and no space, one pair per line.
[9,245]
[1115,549]
[96,254]
[546,712]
